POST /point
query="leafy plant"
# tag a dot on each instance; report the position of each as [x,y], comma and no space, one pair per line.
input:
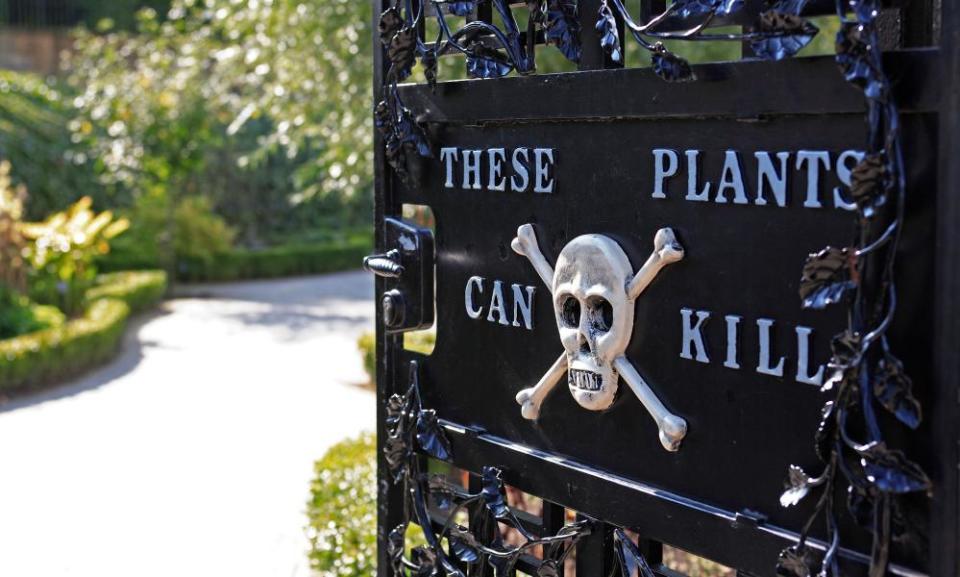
[12,244]
[62,249]
[342,510]
[35,136]
[39,357]
[18,316]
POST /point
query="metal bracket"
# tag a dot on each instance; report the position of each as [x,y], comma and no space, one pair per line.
[407,301]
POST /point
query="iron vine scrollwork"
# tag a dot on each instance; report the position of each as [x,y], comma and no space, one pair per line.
[863,371]
[493,51]
[411,427]
[864,374]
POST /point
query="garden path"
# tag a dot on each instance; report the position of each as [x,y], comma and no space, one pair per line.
[191,454]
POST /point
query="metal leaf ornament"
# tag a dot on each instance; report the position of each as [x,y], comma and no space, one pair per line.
[463,546]
[795,561]
[891,472]
[485,62]
[869,182]
[425,560]
[389,24]
[783,35]
[609,35]
[402,52]
[827,276]
[894,389]
[395,545]
[853,57]
[631,562]
[693,8]
[462,7]
[563,27]
[493,496]
[844,363]
[431,437]
[798,485]
[397,447]
[669,66]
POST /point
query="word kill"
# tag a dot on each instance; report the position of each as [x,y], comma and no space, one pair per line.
[693,347]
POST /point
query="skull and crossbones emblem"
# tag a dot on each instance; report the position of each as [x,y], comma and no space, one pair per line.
[594,289]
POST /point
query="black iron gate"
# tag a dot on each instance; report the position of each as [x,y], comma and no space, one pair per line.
[771,432]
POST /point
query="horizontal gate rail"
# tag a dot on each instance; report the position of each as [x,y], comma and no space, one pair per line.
[803,86]
[734,538]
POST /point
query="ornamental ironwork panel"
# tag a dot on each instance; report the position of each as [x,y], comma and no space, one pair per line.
[686,305]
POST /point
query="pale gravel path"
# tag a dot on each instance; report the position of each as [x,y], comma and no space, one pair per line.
[191,454]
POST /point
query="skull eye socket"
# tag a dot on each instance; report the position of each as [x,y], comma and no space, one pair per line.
[570,312]
[601,314]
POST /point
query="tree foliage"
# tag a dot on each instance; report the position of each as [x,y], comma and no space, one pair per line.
[152,103]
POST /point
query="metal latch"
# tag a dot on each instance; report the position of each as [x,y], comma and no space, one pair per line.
[407,302]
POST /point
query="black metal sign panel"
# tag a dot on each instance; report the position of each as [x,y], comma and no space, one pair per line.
[715,341]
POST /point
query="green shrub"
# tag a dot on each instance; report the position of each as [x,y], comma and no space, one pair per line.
[62,252]
[139,289]
[40,357]
[198,234]
[276,262]
[367,343]
[19,316]
[342,510]
[419,341]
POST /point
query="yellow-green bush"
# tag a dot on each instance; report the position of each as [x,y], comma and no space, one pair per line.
[37,358]
[342,510]
[65,349]
[419,341]
[139,289]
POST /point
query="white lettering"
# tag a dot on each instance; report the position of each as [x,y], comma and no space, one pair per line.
[449,156]
[524,305]
[521,177]
[661,172]
[763,364]
[813,160]
[692,335]
[543,181]
[767,174]
[693,166]
[495,156]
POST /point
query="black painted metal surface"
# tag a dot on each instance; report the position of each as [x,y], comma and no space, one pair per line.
[719,495]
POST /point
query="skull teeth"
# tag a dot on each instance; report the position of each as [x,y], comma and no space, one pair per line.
[584,380]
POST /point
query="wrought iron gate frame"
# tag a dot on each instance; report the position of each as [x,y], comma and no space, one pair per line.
[933,85]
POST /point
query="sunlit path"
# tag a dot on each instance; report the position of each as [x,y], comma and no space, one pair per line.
[191,454]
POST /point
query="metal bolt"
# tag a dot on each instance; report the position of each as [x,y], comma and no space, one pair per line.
[393,306]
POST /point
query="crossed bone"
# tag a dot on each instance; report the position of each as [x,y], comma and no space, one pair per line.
[666,250]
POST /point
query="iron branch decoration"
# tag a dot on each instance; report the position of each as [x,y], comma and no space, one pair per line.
[864,372]
[412,428]
[493,51]
[865,375]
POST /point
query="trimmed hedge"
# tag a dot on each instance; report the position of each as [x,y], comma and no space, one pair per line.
[342,510]
[139,289]
[34,359]
[275,262]
[287,260]
[37,358]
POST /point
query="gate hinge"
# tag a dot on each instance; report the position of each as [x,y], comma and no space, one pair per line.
[407,301]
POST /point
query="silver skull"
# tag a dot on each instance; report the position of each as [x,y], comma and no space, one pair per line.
[594,316]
